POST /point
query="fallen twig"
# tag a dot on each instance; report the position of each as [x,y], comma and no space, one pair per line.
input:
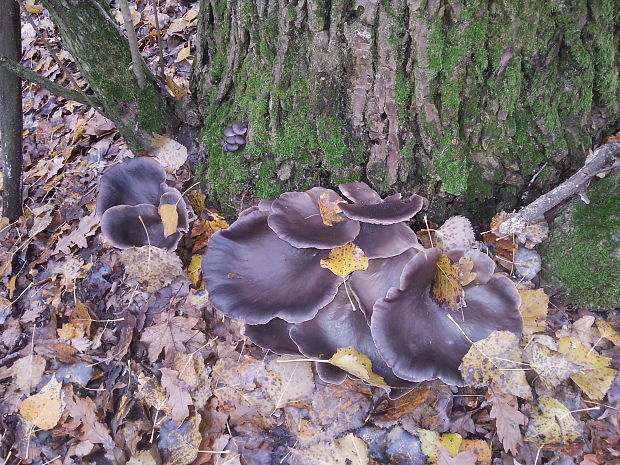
[605,158]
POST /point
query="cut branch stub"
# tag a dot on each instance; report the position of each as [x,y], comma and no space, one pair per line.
[253,275]
[416,337]
[368,206]
[312,219]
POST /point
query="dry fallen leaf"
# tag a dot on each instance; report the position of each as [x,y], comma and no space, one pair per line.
[480,448]
[179,444]
[176,90]
[496,361]
[608,332]
[357,364]
[329,210]
[595,377]
[534,306]
[446,288]
[344,260]
[178,399]
[172,335]
[169,153]
[508,418]
[169,217]
[552,367]
[183,54]
[551,423]
[28,371]
[151,266]
[194,271]
[204,229]
[44,409]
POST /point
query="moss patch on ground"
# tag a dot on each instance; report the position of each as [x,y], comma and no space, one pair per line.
[581,258]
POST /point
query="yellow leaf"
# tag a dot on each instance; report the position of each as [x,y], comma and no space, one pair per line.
[183,54]
[197,201]
[34,9]
[330,210]
[194,271]
[11,286]
[534,305]
[481,449]
[69,331]
[446,288]
[344,260]
[496,361]
[551,423]
[608,332]
[170,218]
[44,409]
[431,440]
[176,90]
[596,377]
[356,363]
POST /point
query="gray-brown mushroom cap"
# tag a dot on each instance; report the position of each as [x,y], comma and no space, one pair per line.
[253,275]
[337,326]
[135,189]
[368,206]
[296,218]
[372,284]
[384,241]
[414,334]
[121,226]
[133,182]
[273,336]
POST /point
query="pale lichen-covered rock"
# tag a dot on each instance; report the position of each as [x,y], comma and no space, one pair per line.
[581,259]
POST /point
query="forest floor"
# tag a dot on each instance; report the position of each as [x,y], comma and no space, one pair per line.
[100,364]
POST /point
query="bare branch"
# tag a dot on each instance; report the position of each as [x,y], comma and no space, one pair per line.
[605,158]
[136,58]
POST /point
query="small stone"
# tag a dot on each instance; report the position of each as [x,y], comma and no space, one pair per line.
[228,132]
[527,263]
[239,128]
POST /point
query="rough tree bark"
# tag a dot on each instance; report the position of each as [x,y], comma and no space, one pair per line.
[11,113]
[475,104]
[104,58]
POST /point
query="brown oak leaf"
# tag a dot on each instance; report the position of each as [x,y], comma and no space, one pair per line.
[179,399]
[507,420]
[172,335]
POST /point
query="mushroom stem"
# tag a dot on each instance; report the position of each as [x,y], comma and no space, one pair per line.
[604,158]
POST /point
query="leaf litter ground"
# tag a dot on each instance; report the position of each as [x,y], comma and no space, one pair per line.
[105,362]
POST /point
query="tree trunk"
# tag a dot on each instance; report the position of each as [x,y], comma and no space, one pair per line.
[11,123]
[103,56]
[474,104]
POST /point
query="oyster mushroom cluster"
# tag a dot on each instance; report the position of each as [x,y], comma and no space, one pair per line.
[234,137]
[266,270]
[130,194]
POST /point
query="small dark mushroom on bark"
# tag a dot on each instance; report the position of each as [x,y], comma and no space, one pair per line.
[273,336]
[337,326]
[414,334]
[132,190]
[368,206]
[312,219]
[253,275]
[239,128]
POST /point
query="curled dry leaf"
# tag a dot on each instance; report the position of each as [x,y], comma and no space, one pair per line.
[551,423]
[27,371]
[552,366]
[357,364]
[606,329]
